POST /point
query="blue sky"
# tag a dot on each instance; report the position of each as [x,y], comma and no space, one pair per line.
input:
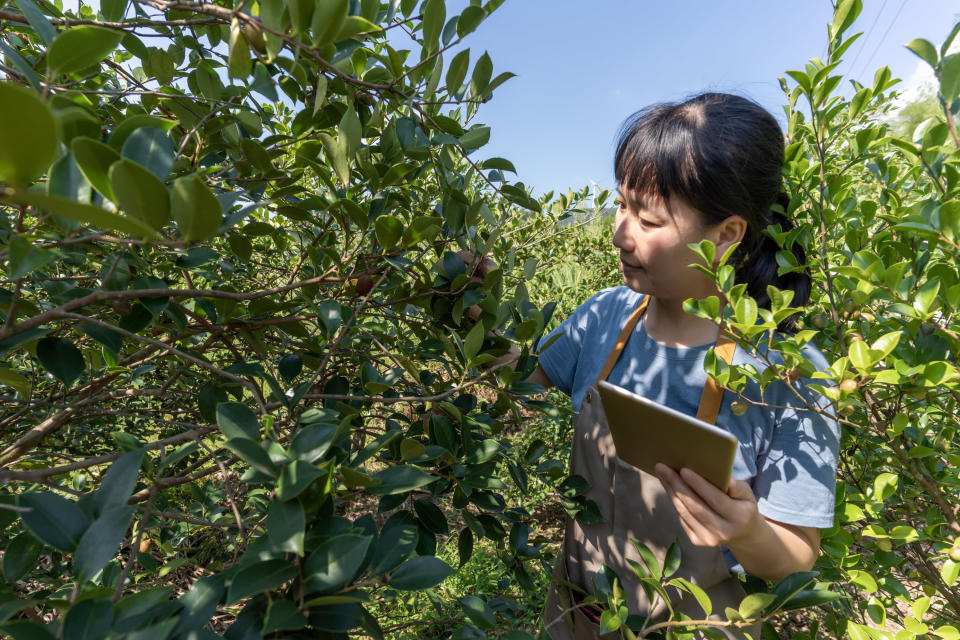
[584,67]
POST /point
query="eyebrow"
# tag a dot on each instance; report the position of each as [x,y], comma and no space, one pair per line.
[635,202]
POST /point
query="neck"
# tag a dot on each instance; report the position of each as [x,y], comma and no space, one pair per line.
[666,322]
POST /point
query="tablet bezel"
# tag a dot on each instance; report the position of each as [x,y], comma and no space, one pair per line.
[645,433]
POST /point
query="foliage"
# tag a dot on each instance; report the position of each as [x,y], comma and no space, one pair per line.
[250,334]
[247,358]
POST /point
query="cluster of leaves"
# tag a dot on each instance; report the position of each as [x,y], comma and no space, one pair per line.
[246,321]
[879,220]
[247,326]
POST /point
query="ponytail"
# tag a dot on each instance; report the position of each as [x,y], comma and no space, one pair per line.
[758,266]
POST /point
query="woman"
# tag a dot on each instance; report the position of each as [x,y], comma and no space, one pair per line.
[707,168]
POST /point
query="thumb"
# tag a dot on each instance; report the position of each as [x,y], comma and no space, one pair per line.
[740,490]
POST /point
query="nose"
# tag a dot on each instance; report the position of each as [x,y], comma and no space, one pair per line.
[622,238]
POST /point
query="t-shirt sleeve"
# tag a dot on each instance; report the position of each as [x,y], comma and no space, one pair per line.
[560,350]
[796,477]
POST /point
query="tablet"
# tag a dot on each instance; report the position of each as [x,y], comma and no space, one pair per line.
[645,433]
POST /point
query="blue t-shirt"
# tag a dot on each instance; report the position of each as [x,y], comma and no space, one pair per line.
[787,454]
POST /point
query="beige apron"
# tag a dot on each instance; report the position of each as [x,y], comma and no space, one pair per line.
[634,505]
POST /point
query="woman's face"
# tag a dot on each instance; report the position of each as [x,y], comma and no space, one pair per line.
[654,256]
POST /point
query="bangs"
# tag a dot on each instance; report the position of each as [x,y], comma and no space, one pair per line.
[656,154]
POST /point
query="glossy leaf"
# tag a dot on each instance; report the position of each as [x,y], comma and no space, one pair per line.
[139,193]
[420,573]
[100,541]
[61,358]
[195,208]
[80,47]
[28,135]
[55,521]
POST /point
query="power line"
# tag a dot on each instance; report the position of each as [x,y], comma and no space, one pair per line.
[885,34]
[868,34]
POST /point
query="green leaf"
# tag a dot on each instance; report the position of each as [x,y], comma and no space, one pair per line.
[81,212]
[475,138]
[113,10]
[285,526]
[845,15]
[335,561]
[24,257]
[200,602]
[754,604]
[14,380]
[473,341]
[671,562]
[88,620]
[94,159]
[328,19]
[140,194]
[860,355]
[810,598]
[395,545]
[478,611]
[257,578]
[81,47]
[458,69]
[336,151]
[100,541]
[400,479]
[237,420]
[28,135]
[388,229]
[253,454]
[295,477]
[131,123]
[480,80]
[351,131]
[434,17]
[649,560]
[330,314]
[55,521]
[470,19]
[924,50]
[20,556]
[150,147]
[420,573]
[41,26]
[61,358]
[118,482]
[195,208]
[283,615]
[950,77]
[239,63]
[701,596]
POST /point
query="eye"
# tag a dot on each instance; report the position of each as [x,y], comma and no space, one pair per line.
[648,223]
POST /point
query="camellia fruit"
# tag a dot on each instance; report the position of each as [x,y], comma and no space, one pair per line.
[954,553]
[819,320]
[849,385]
[364,284]
[738,408]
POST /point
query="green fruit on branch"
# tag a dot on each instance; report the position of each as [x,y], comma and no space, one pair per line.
[954,553]
[738,408]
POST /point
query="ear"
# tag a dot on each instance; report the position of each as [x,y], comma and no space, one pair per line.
[730,231]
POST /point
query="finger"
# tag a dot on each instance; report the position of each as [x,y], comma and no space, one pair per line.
[688,503]
[718,500]
[740,490]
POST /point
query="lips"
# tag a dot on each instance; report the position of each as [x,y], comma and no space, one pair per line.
[627,265]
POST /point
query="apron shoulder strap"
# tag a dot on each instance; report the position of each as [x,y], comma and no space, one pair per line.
[712,396]
[622,339]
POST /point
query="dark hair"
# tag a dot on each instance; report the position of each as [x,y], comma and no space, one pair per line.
[721,154]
